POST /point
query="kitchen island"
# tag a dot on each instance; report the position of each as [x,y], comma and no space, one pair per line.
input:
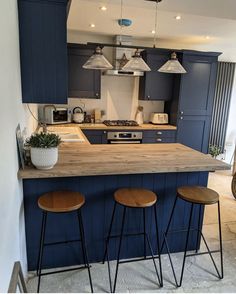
[97,171]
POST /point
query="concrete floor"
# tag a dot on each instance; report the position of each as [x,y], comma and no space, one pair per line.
[140,276]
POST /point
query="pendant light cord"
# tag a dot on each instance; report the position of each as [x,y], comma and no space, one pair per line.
[121,18]
[155,34]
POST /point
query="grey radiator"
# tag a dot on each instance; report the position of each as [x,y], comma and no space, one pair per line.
[221,105]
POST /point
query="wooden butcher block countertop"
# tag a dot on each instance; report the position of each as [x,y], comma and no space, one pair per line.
[77,159]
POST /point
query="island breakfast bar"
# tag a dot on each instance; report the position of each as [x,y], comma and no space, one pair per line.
[97,171]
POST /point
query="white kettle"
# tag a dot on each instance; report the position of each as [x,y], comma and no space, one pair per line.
[78,117]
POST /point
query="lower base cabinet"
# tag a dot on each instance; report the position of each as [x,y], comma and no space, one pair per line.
[96,136]
[159,136]
[149,136]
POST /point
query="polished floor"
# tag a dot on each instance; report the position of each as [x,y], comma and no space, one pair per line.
[199,273]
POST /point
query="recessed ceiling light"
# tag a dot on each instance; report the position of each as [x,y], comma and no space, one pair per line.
[178,17]
[207,37]
[153,31]
[103,8]
[92,25]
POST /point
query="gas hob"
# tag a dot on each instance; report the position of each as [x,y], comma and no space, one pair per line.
[120,123]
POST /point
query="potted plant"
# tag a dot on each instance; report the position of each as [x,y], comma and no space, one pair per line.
[214,150]
[44,149]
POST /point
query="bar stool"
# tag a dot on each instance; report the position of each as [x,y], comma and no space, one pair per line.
[61,202]
[133,198]
[196,195]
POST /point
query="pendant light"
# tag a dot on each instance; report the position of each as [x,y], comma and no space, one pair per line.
[136,63]
[172,66]
[97,61]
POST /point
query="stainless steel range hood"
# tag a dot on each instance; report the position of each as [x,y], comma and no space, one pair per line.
[118,55]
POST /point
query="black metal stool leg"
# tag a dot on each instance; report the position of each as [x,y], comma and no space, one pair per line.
[168,226]
[119,249]
[186,246]
[158,245]
[199,229]
[144,230]
[221,246]
[40,256]
[109,233]
[85,255]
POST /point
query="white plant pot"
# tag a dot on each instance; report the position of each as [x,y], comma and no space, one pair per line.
[44,158]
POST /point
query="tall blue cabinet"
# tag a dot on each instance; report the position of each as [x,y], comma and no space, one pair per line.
[43,50]
[191,106]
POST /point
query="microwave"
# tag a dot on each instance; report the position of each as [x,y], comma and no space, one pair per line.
[51,116]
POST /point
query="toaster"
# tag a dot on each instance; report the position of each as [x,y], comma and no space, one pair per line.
[159,118]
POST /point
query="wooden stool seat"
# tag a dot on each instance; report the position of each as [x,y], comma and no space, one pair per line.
[198,194]
[61,201]
[135,197]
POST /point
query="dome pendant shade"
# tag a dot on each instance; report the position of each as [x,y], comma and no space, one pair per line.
[97,61]
[172,66]
[136,63]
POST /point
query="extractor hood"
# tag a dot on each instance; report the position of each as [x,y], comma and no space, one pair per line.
[120,57]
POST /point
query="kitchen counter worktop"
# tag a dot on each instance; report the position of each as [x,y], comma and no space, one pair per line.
[77,159]
[101,126]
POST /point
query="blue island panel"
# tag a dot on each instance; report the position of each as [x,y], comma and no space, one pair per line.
[98,192]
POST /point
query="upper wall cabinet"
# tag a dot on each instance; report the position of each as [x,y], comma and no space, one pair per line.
[43,50]
[155,85]
[83,83]
[198,85]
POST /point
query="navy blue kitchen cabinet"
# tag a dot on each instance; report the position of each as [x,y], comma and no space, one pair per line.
[83,83]
[43,51]
[155,85]
[191,106]
[159,136]
[96,136]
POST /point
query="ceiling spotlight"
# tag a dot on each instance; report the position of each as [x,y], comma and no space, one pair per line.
[178,17]
[207,37]
[103,8]
[92,25]
[153,31]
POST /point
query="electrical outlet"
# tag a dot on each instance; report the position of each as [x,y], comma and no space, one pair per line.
[228,144]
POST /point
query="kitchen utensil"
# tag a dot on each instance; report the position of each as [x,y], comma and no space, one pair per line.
[139,115]
[78,117]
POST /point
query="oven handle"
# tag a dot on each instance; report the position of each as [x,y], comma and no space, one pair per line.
[125,142]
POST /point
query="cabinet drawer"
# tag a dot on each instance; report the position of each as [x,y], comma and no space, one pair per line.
[159,133]
[158,140]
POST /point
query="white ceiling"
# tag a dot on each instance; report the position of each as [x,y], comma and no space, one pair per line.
[200,18]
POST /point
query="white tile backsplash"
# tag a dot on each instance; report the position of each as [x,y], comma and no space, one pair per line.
[119,99]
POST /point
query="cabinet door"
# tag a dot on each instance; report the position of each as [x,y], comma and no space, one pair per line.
[83,83]
[43,51]
[96,136]
[197,85]
[155,85]
[193,131]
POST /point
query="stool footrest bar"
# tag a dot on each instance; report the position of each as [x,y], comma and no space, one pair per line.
[61,242]
[65,270]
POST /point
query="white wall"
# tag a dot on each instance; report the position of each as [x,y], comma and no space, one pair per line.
[12,112]
[231,128]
